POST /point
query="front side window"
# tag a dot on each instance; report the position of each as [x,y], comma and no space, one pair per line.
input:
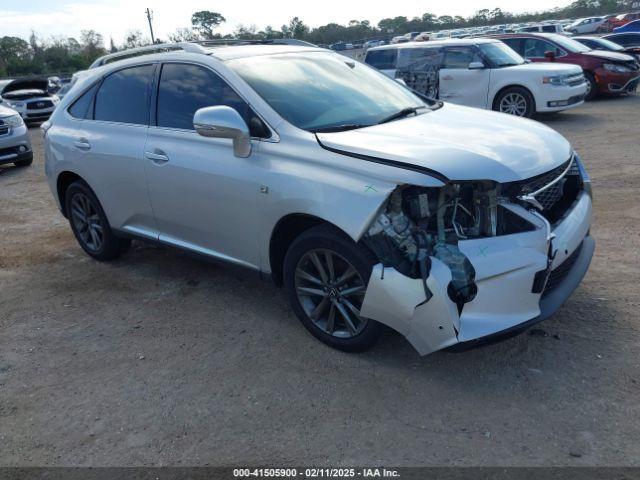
[500,55]
[317,90]
[185,88]
[459,57]
[534,48]
[382,59]
[124,96]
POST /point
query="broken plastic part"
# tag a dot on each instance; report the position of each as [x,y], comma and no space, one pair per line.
[420,223]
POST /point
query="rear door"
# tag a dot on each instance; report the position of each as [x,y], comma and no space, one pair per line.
[460,84]
[108,143]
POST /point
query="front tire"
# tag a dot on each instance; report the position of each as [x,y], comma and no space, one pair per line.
[90,225]
[325,276]
[516,101]
[592,86]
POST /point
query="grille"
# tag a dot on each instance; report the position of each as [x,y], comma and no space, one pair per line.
[40,104]
[560,273]
[4,129]
[575,80]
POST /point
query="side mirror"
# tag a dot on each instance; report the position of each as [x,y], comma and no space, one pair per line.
[476,66]
[550,55]
[224,122]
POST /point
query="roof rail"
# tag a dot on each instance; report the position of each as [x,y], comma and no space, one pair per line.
[236,41]
[149,49]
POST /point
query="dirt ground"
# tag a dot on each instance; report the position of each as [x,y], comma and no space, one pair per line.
[160,359]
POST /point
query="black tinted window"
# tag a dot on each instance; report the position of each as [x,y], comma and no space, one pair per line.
[187,88]
[549,28]
[459,57]
[124,96]
[513,43]
[81,106]
[382,59]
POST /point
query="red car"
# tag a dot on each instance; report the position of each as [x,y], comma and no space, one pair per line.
[623,19]
[606,72]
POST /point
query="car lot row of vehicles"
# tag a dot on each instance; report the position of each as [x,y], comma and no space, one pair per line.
[626,22]
[520,74]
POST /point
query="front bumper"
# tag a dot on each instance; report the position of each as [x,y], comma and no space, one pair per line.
[15,146]
[612,82]
[558,98]
[506,271]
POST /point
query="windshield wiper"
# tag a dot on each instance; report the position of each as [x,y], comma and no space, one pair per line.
[405,112]
[338,128]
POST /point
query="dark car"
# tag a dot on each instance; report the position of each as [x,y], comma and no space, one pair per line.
[605,71]
[630,41]
[601,43]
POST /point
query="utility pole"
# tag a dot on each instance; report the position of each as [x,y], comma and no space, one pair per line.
[150,17]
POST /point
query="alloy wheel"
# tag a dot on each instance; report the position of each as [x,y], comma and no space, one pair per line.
[87,222]
[331,292]
[514,104]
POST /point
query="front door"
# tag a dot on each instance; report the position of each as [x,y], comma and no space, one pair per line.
[461,84]
[203,196]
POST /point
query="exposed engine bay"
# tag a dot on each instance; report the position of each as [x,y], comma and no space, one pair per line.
[420,223]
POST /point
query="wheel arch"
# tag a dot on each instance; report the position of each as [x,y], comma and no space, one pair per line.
[63,181]
[286,230]
[513,85]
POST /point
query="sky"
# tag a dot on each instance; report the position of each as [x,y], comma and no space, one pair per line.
[114,18]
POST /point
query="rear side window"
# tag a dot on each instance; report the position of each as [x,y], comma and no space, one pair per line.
[81,107]
[186,88]
[382,59]
[124,96]
[549,28]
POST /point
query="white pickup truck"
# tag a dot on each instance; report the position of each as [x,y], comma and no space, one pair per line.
[482,73]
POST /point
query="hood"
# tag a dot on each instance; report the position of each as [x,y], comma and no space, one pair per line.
[460,143]
[550,68]
[26,84]
[6,112]
[613,56]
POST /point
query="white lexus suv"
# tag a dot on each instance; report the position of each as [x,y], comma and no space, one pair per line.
[482,73]
[372,205]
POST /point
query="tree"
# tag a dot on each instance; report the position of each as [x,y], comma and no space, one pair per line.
[205,22]
[184,35]
[297,28]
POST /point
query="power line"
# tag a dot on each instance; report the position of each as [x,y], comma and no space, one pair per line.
[149,18]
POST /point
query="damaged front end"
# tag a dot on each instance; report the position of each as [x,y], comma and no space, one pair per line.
[461,260]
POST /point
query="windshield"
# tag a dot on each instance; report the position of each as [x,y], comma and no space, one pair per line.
[317,90]
[499,55]
[608,44]
[569,44]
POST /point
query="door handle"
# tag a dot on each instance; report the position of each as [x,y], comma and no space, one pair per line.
[447,95]
[82,144]
[158,157]
[447,77]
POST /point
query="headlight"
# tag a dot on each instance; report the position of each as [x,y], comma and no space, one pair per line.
[556,80]
[55,99]
[15,104]
[612,67]
[13,121]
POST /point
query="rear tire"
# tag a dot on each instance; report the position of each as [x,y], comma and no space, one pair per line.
[90,225]
[327,298]
[516,101]
[592,86]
